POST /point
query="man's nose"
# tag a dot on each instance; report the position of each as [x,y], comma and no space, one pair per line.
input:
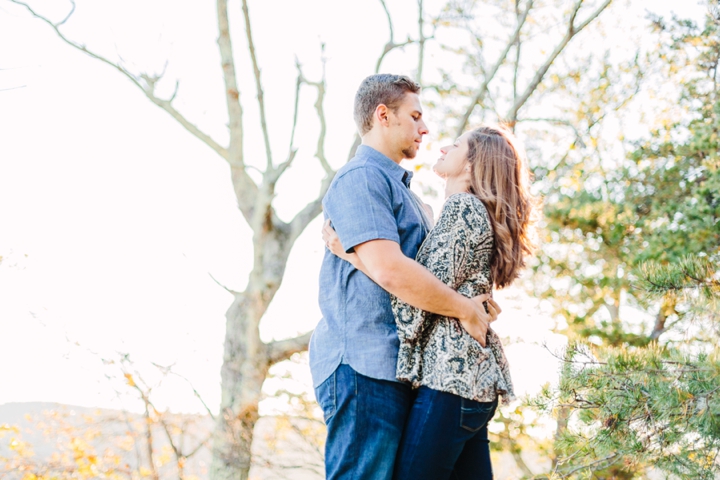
[423,128]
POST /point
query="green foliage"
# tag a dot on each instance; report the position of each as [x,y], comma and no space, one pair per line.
[631,262]
[637,407]
[693,279]
[605,219]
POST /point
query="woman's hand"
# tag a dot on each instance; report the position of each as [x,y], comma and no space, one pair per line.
[332,242]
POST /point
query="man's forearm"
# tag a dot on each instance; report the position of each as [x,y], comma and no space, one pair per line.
[415,285]
[386,264]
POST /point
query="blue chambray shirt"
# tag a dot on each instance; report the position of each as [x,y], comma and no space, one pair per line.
[368,199]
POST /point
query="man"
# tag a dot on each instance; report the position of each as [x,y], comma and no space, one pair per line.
[353,351]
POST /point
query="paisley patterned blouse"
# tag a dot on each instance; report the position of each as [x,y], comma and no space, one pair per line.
[436,351]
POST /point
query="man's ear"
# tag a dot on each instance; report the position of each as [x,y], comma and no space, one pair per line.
[381,115]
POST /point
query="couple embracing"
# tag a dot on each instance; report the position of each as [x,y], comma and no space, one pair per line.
[405,367]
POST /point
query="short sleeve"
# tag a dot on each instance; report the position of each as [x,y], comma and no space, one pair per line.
[359,206]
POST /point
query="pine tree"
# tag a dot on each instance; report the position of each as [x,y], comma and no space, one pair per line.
[636,263]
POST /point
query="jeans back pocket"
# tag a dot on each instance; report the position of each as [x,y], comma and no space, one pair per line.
[476,415]
[325,394]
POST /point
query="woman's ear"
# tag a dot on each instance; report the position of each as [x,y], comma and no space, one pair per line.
[467,172]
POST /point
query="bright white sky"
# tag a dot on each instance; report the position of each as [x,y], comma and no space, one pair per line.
[112,216]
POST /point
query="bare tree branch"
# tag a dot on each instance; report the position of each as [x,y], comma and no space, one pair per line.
[390,45]
[310,211]
[389,19]
[232,94]
[229,290]
[313,209]
[176,450]
[283,349]
[258,85]
[667,306]
[246,190]
[572,30]
[490,74]
[195,392]
[145,397]
[67,17]
[292,151]
[204,443]
[516,67]
[148,90]
[190,127]
[558,121]
[319,108]
[421,41]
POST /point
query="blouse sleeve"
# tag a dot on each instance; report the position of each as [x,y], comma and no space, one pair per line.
[447,252]
[470,233]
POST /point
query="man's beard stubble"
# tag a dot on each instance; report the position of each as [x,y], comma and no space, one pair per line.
[409,153]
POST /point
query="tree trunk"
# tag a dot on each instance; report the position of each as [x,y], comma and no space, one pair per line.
[563,416]
[246,358]
[242,375]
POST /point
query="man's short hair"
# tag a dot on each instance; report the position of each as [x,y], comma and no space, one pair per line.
[383,88]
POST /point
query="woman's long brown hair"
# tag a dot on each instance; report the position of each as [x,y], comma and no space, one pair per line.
[501,179]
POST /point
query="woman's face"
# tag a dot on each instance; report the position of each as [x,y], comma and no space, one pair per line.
[453,162]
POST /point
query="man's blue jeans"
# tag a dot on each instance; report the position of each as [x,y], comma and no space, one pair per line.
[365,418]
[445,438]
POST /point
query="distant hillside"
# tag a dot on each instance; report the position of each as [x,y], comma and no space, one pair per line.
[282,448]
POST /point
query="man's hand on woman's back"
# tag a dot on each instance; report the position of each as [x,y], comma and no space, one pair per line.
[477,322]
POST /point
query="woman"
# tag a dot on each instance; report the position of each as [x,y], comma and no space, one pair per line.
[481,239]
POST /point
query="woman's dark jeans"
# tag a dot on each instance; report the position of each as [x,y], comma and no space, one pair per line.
[445,437]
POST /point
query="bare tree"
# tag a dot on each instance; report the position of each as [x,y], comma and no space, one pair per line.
[246,357]
[81,443]
[515,41]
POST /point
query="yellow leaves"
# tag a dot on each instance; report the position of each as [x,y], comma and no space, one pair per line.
[23,449]
[130,380]
[6,428]
[87,467]
[110,457]
[165,456]
[78,447]
[126,443]
[695,41]
[74,455]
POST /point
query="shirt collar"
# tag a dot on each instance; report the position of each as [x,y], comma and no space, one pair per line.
[382,161]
